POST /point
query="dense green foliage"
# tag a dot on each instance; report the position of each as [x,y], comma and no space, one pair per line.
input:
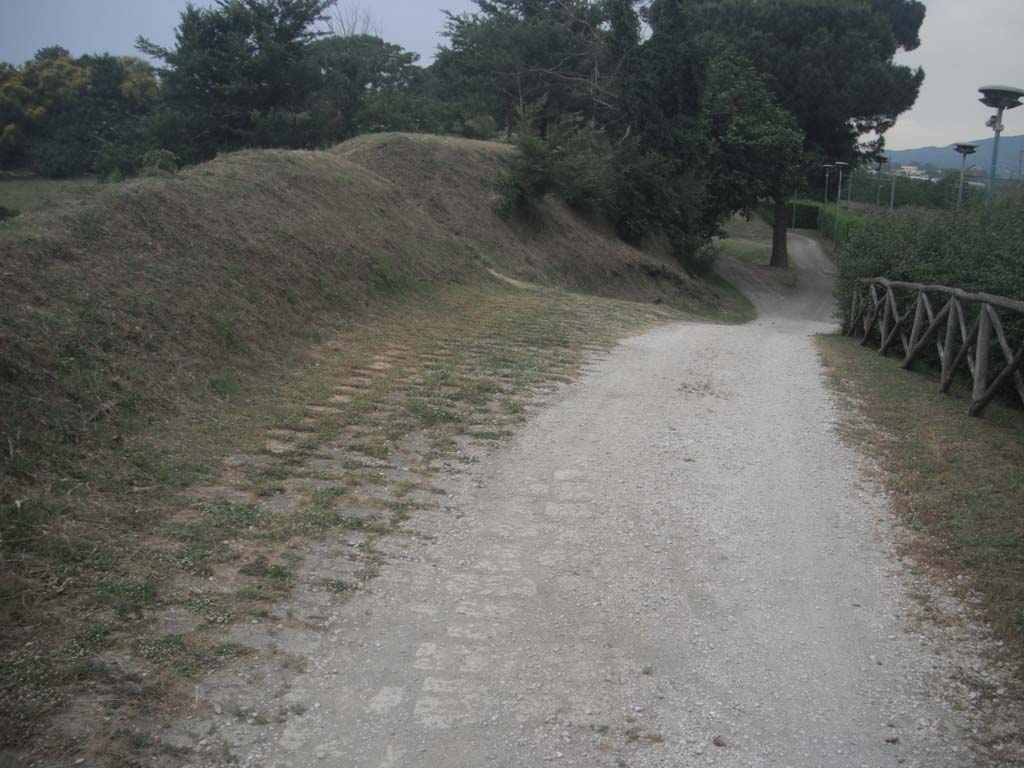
[840,83]
[245,73]
[61,115]
[665,136]
[239,75]
[806,213]
[259,73]
[849,221]
[977,249]
[829,64]
[574,161]
[815,215]
[869,188]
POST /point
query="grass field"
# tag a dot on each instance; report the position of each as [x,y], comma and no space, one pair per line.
[26,194]
[957,479]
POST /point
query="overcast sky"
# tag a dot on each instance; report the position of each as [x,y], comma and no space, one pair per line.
[965,43]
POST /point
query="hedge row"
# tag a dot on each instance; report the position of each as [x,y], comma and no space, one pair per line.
[806,213]
[977,249]
[811,214]
[849,222]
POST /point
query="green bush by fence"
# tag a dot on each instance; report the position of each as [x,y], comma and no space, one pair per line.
[849,222]
[810,214]
[976,249]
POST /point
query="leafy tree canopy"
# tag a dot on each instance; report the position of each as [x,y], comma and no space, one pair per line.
[829,63]
[239,67]
[57,112]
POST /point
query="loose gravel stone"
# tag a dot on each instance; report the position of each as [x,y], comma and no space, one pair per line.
[676,563]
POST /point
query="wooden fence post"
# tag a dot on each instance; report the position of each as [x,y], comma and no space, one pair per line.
[982,353]
[975,338]
[947,348]
[886,318]
[853,314]
[915,330]
[1012,367]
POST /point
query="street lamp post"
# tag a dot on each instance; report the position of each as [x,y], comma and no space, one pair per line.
[882,160]
[839,202]
[963,150]
[892,191]
[828,170]
[999,98]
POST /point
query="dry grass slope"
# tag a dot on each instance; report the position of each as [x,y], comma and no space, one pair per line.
[133,298]
[448,180]
[203,374]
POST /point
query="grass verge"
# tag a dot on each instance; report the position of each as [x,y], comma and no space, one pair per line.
[957,479]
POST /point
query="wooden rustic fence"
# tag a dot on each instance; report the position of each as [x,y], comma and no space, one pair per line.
[962,331]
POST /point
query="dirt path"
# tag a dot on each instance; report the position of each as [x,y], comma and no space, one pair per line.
[677,563]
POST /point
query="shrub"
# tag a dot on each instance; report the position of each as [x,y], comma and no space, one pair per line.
[479,127]
[700,259]
[161,160]
[643,190]
[116,162]
[525,176]
[806,213]
[636,191]
[976,249]
[59,159]
[7,213]
[573,161]
[581,163]
[848,223]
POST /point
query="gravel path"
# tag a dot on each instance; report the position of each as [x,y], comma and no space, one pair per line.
[676,563]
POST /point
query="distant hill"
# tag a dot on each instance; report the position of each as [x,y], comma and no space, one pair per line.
[945,157]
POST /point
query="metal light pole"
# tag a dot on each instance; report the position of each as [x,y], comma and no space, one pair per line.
[892,191]
[828,169]
[882,160]
[839,202]
[1000,98]
[964,150]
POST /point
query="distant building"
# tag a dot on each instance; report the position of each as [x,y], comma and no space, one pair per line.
[912,171]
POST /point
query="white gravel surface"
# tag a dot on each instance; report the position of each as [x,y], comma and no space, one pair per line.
[675,563]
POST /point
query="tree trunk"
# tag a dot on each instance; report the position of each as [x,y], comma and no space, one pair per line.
[780,253]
